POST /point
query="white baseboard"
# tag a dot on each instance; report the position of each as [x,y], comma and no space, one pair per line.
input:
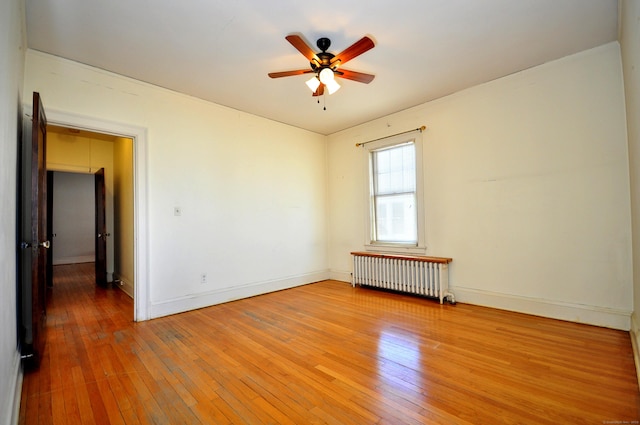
[579,313]
[635,342]
[340,275]
[592,315]
[125,286]
[11,407]
[196,301]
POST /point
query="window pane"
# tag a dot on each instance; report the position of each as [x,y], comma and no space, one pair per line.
[382,158]
[384,183]
[396,218]
[395,170]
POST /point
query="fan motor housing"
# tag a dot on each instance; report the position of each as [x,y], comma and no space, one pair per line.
[324,58]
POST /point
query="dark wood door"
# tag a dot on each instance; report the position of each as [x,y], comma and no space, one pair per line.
[34,244]
[101,229]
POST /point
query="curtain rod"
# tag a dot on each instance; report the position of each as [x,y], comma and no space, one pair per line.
[420,129]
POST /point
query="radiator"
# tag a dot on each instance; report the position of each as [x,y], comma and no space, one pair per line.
[419,275]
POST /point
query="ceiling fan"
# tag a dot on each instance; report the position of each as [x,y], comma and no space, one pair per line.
[326,66]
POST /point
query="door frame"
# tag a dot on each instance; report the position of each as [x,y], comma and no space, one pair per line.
[141,298]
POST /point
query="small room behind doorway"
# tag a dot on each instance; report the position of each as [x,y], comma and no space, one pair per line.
[73,156]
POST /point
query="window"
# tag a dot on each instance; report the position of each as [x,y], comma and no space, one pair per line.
[395,200]
[394,194]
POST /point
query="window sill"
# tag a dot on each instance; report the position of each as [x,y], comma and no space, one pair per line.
[396,249]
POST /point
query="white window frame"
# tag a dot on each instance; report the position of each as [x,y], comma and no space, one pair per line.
[371,244]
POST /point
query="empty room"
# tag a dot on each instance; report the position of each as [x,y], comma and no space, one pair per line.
[344,213]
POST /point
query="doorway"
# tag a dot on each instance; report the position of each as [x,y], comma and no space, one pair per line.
[76,158]
[136,197]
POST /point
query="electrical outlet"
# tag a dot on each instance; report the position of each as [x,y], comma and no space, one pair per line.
[203,278]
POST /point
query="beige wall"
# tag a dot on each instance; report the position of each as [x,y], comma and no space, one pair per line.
[526,180]
[12,48]
[123,213]
[630,43]
[526,187]
[252,191]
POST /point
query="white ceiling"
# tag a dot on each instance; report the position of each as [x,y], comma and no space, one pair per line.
[222,50]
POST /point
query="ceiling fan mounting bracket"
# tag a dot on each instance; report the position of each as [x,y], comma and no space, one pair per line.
[323,44]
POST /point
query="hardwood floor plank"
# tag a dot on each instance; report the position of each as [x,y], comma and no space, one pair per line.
[112,409]
[71,407]
[44,411]
[208,411]
[145,405]
[293,404]
[324,353]
[58,412]
[82,396]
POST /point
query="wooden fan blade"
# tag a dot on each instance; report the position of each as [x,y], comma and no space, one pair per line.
[290,73]
[297,42]
[319,91]
[360,77]
[356,49]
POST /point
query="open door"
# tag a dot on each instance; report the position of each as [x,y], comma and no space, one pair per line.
[101,229]
[33,229]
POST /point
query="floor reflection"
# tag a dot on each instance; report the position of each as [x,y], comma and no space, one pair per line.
[399,358]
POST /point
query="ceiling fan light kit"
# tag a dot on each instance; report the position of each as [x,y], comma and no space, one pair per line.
[326,75]
[313,83]
[325,65]
[327,78]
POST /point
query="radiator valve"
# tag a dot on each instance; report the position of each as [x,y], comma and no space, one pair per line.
[451,299]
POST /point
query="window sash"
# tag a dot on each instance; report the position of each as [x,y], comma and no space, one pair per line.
[394,169]
[396,218]
[394,197]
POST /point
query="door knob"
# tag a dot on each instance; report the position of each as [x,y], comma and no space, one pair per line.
[45,244]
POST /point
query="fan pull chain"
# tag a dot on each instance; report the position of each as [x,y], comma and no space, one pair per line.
[324,101]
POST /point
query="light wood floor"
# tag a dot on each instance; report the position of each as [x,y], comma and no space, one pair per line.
[321,353]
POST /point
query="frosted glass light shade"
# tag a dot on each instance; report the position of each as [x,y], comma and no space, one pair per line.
[332,86]
[326,75]
[313,84]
